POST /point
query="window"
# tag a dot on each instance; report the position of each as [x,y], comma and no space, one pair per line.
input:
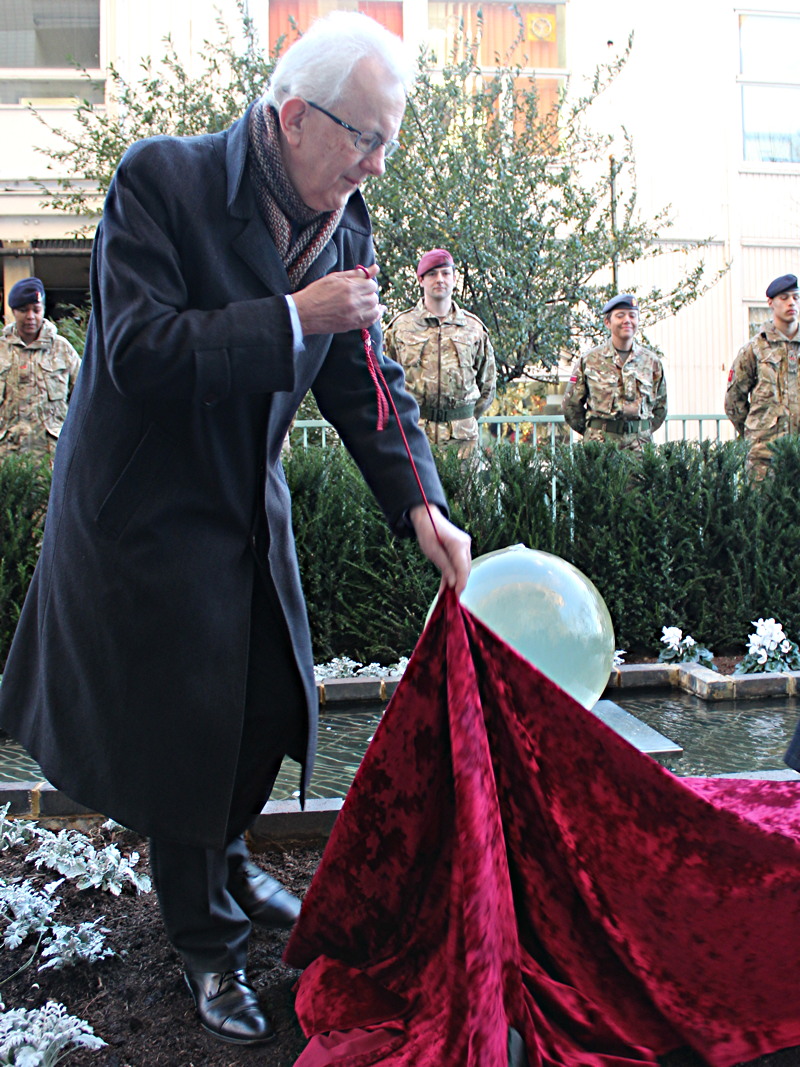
[41,42]
[531,35]
[303,12]
[757,315]
[769,76]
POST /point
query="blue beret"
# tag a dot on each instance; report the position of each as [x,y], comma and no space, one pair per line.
[27,291]
[624,300]
[781,285]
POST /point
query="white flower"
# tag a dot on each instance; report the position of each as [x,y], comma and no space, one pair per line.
[786,647]
[671,636]
[689,642]
[619,655]
[754,645]
[761,655]
[770,632]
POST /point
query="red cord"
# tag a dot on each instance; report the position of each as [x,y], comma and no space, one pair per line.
[382,392]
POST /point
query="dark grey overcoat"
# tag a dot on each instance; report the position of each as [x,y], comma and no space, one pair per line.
[126,678]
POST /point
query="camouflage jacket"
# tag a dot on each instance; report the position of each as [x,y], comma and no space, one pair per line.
[449,366]
[35,383]
[762,398]
[598,388]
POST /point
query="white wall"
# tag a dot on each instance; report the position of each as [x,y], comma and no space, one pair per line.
[679,100]
[677,97]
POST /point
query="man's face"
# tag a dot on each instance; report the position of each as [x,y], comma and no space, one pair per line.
[785,310]
[438,284]
[320,156]
[622,324]
[29,320]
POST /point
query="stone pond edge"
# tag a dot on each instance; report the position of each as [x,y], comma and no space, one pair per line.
[282,820]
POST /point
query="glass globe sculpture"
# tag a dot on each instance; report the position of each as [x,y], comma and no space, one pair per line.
[548,612]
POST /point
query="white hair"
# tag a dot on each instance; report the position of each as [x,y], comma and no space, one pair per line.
[319,64]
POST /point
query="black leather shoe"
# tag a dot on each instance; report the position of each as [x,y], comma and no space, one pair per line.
[263,900]
[228,1007]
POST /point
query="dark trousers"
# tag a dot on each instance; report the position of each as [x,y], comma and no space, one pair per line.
[203,921]
[792,757]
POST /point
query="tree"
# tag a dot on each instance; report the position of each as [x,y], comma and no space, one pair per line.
[165,99]
[522,196]
[524,199]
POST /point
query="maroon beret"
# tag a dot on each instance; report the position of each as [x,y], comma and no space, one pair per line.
[437,257]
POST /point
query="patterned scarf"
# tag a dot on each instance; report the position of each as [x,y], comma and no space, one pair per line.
[299,232]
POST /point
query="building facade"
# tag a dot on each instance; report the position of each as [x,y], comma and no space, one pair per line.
[707,97]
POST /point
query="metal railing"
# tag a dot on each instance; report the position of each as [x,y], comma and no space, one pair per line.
[543,429]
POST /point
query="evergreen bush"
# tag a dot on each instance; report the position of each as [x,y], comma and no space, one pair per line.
[24,486]
[679,536]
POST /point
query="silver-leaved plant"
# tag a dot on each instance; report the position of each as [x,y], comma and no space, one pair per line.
[72,854]
[42,1037]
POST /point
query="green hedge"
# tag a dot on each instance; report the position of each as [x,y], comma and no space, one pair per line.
[679,536]
[24,487]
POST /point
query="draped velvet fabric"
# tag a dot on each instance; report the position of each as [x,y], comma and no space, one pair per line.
[504,859]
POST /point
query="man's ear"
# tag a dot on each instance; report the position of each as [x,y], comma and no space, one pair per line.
[292,117]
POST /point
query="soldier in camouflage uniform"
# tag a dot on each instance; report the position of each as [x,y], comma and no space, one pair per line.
[762,398]
[447,356]
[617,391]
[37,372]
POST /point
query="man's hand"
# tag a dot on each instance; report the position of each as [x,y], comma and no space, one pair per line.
[347,300]
[452,556]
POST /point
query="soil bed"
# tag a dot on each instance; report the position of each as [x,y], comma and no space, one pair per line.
[137,1002]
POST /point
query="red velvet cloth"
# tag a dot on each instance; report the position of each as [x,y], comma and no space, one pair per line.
[503,858]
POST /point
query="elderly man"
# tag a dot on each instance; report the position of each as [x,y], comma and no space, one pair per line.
[37,372]
[162,666]
[447,356]
[762,400]
[617,391]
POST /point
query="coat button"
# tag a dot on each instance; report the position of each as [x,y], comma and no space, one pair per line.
[209,399]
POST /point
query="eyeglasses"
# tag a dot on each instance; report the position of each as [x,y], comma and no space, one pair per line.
[364,142]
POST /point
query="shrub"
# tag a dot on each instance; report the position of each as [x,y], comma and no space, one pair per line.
[680,532]
[24,487]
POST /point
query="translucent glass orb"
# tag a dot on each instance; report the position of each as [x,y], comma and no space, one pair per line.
[549,612]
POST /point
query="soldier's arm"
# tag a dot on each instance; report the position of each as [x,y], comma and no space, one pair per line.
[389,346]
[660,398]
[486,374]
[74,367]
[741,380]
[573,405]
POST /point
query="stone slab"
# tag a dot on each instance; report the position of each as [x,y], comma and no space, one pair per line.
[758,686]
[634,731]
[636,675]
[283,820]
[18,796]
[705,683]
[335,690]
[778,775]
[48,801]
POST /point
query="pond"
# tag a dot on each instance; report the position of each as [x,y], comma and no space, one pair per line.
[718,737]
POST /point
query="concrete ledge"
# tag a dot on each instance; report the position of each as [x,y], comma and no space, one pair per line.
[351,690]
[786,774]
[638,675]
[283,820]
[703,682]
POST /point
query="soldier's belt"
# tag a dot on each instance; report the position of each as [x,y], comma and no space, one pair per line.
[618,425]
[443,414]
